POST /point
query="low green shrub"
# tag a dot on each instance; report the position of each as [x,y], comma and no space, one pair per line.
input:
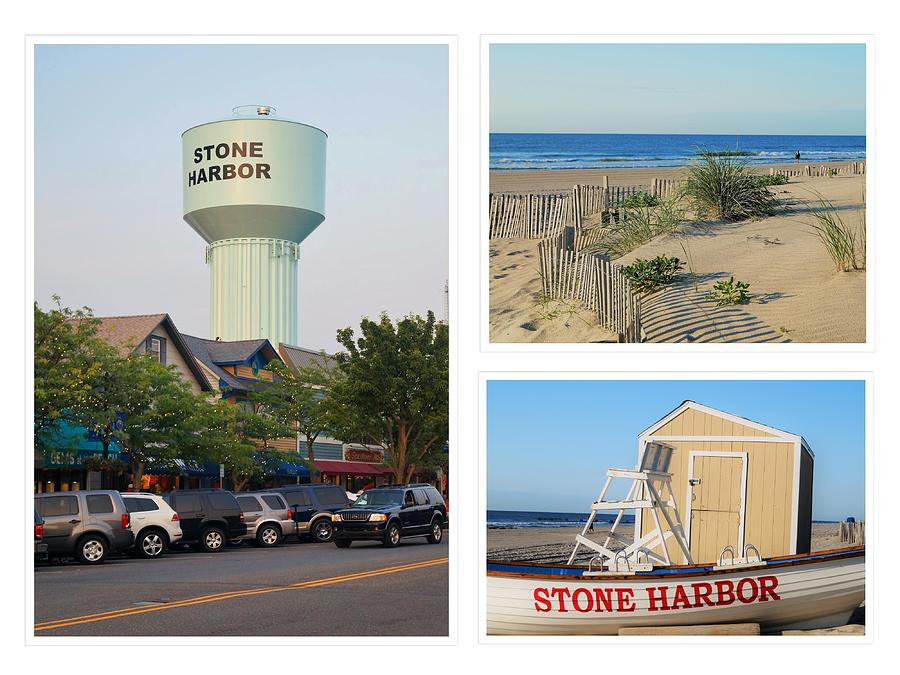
[639,200]
[723,187]
[647,275]
[639,225]
[771,179]
[730,292]
[844,241]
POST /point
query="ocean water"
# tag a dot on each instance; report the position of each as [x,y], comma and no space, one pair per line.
[597,151]
[498,520]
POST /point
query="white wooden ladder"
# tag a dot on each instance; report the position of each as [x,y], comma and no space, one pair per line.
[651,488]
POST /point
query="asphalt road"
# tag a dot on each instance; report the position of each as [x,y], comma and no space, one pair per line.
[293,589]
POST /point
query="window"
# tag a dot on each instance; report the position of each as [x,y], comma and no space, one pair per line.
[223,501]
[185,503]
[331,496]
[249,504]
[99,504]
[156,348]
[421,498]
[408,499]
[274,502]
[136,504]
[298,498]
[58,506]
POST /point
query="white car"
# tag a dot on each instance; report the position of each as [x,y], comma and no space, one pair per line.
[155,524]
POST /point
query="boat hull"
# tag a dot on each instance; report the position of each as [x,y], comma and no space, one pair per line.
[818,591]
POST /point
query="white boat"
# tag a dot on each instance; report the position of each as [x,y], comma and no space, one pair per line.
[638,586]
[816,590]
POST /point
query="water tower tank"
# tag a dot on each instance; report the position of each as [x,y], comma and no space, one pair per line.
[254,188]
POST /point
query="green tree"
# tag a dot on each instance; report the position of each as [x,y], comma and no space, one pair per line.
[168,423]
[300,399]
[65,362]
[394,388]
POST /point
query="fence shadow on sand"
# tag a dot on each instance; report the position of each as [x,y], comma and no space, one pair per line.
[681,313]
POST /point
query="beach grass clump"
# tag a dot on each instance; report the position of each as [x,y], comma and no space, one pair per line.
[723,187]
[639,225]
[648,275]
[730,292]
[638,200]
[845,242]
[769,180]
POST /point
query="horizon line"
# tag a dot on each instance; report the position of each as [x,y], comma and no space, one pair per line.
[655,133]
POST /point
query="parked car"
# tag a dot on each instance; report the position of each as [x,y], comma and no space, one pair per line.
[155,524]
[267,516]
[209,517]
[390,513]
[40,546]
[87,524]
[313,505]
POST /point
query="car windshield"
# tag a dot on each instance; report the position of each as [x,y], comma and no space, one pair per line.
[379,498]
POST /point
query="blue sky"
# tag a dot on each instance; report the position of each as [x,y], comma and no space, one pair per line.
[550,442]
[108,124]
[678,89]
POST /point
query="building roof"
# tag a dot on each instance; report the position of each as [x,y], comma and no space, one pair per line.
[688,404]
[128,333]
[214,354]
[300,357]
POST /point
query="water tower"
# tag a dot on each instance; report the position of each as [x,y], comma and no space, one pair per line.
[254,189]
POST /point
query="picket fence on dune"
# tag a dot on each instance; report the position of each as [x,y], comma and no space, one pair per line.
[572,273]
[535,215]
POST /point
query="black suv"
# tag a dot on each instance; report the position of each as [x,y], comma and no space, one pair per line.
[313,505]
[391,512]
[209,518]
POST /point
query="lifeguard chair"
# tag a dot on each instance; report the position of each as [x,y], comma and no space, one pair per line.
[651,488]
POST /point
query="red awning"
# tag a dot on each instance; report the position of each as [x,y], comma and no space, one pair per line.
[352,468]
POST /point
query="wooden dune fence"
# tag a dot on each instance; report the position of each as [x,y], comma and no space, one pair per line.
[811,171]
[531,216]
[539,215]
[591,279]
[853,533]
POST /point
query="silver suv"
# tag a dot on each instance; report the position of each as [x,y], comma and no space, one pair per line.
[267,516]
[87,524]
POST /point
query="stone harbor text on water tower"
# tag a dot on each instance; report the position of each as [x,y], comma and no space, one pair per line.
[254,189]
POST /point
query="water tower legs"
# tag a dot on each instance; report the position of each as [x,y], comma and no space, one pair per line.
[253,289]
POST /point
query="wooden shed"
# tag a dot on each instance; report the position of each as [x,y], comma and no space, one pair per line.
[736,482]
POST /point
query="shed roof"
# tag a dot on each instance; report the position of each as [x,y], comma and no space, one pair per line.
[693,405]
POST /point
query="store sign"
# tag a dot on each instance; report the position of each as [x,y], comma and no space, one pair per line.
[360,454]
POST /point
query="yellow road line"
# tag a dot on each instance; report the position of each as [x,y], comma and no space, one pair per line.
[217,597]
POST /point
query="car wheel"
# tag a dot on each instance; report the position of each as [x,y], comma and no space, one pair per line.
[392,535]
[437,532]
[343,543]
[322,530]
[91,550]
[268,535]
[150,544]
[212,540]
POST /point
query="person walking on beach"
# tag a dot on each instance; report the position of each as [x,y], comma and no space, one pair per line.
[797,156]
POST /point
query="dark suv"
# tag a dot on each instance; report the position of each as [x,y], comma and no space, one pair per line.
[209,518]
[392,512]
[313,505]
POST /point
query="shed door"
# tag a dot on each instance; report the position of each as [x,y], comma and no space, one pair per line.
[715,506]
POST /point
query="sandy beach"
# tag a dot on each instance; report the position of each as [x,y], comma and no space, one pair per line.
[554,544]
[796,294]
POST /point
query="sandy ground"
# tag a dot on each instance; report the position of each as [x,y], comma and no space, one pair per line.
[547,544]
[515,312]
[797,296]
